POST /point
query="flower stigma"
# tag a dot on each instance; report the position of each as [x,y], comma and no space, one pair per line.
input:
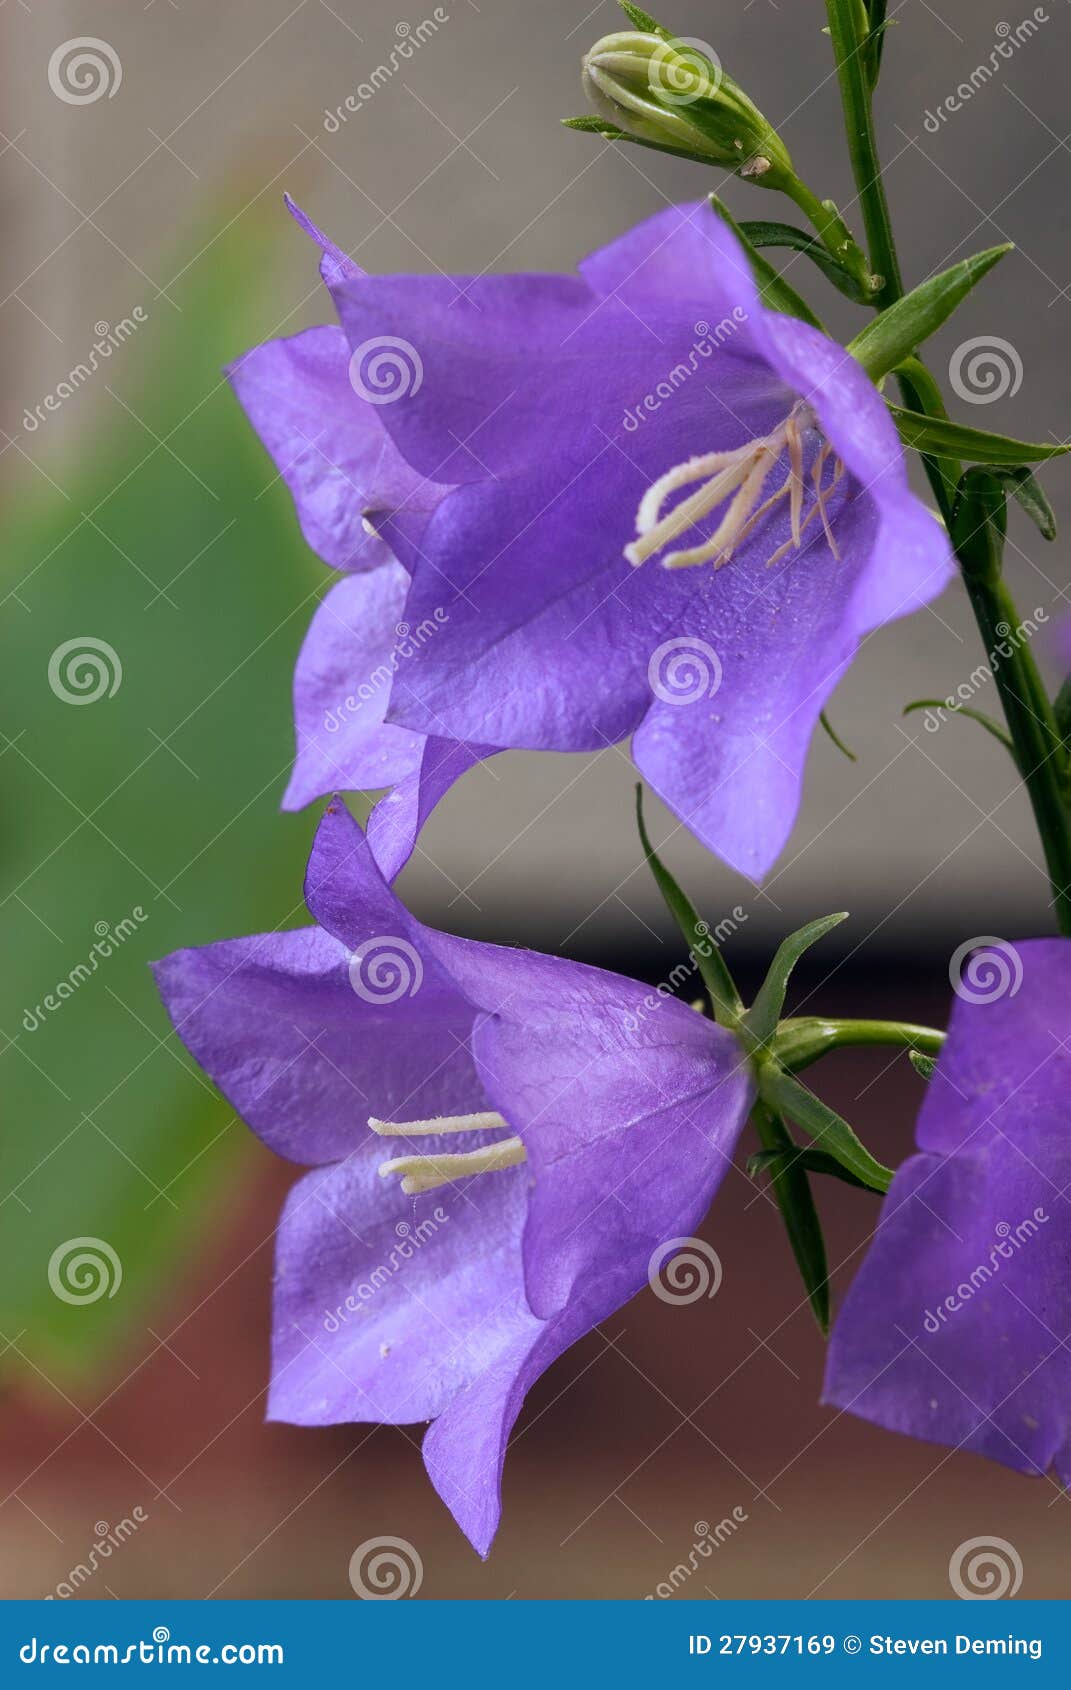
[737,480]
[420,1173]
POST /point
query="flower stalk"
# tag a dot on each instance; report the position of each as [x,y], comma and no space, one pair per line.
[978,535]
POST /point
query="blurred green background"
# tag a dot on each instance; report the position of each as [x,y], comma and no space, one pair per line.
[142,513]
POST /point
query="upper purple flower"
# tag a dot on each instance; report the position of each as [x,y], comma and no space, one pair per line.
[956,1328]
[533,449]
[501,1142]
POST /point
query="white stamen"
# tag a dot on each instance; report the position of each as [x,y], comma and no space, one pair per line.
[736,479]
[690,510]
[486,1122]
[719,548]
[427,1173]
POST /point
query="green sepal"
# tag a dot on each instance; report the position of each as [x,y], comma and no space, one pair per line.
[643,21]
[953,709]
[760,1022]
[939,437]
[793,1196]
[725,1000]
[835,737]
[610,132]
[813,1161]
[924,1065]
[774,291]
[761,234]
[893,336]
[789,1097]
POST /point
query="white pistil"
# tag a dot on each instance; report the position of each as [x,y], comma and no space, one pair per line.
[427,1173]
[738,477]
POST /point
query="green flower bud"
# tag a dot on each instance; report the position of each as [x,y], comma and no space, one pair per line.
[674,93]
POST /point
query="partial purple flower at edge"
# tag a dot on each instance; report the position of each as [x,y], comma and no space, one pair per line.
[448,1304]
[956,1328]
[507,466]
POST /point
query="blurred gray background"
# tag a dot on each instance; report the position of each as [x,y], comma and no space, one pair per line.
[458,164]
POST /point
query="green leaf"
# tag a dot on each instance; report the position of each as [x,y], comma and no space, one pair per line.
[793,1196]
[939,437]
[924,1065]
[831,1133]
[814,1161]
[762,1018]
[762,234]
[893,336]
[774,291]
[167,535]
[954,709]
[835,737]
[725,999]
[1027,489]
[875,44]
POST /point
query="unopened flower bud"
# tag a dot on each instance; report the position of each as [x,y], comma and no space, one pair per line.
[674,93]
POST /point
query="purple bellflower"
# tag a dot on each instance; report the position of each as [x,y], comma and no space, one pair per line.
[500,1143]
[956,1328]
[630,502]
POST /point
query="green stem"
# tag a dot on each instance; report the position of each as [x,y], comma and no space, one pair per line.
[848,30]
[802,1040]
[1027,708]
[1035,736]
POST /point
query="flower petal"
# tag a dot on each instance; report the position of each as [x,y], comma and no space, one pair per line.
[386,1306]
[309,1032]
[329,445]
[342,686]
[630,1106]
[955,1329]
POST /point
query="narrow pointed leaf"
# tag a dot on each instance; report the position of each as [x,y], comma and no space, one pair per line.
[762,1018]
[939,437]
[727,1003]
[1027,489]
[835,737]
[793,1195]
[924,1065]
[879,26]
[776,293]
[762,234]
[830,1132]
[895,334]
[978,716]
[772,1162]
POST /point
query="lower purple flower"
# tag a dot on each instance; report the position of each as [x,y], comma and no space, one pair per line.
[956,1329]
[501,1142]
